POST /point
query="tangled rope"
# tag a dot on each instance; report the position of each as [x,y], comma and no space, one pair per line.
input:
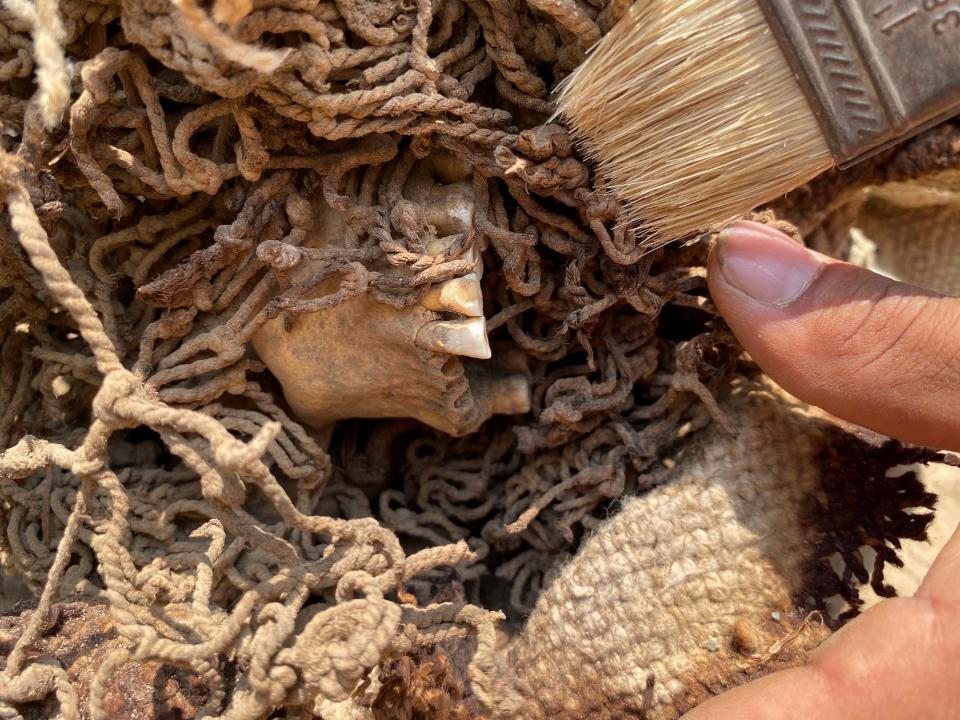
[159,166]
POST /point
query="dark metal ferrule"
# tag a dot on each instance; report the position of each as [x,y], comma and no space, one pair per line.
[874,71]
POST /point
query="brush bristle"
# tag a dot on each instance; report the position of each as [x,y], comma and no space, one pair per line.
[693,115]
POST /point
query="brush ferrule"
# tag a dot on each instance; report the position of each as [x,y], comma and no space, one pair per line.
[874,71]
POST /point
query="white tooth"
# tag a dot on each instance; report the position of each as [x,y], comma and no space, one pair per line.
[456,337]
[512,395]
[460,295]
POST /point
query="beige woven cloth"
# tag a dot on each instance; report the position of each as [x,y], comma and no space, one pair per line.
[708,581]
[912,231]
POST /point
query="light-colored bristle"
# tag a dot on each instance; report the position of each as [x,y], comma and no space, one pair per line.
[693,115]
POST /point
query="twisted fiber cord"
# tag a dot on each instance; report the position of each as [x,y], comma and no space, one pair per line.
[498,21]
[113,564]
[570,16]
[362,102]
[150,26]
[16,385]
[33,239]
[611,14]
[116,401]
[420,60]
[32,683]
[39,615]
[442,622]
[315,22]
[147,228]
[182,171]
[358,23]
[53,78]
[261,60]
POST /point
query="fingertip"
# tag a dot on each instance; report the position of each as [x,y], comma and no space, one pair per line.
[866,348]
[764,265]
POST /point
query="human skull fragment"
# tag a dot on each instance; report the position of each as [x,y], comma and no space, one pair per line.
[430,360]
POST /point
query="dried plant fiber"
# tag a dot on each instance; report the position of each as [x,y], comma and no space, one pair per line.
[692,115]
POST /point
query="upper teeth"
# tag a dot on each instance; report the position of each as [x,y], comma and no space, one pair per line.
[460,295]
[331,363]
[456,337]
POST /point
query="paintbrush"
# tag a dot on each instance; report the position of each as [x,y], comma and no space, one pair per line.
[697,111]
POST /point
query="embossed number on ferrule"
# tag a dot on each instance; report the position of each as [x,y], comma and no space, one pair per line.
[891,14]
[940,16]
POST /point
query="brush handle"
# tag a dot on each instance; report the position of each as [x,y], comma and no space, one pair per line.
[875,71]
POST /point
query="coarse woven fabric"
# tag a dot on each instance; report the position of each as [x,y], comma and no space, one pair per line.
[703,583]
[915,230]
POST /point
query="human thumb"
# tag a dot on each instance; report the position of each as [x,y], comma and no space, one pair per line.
[877,352]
